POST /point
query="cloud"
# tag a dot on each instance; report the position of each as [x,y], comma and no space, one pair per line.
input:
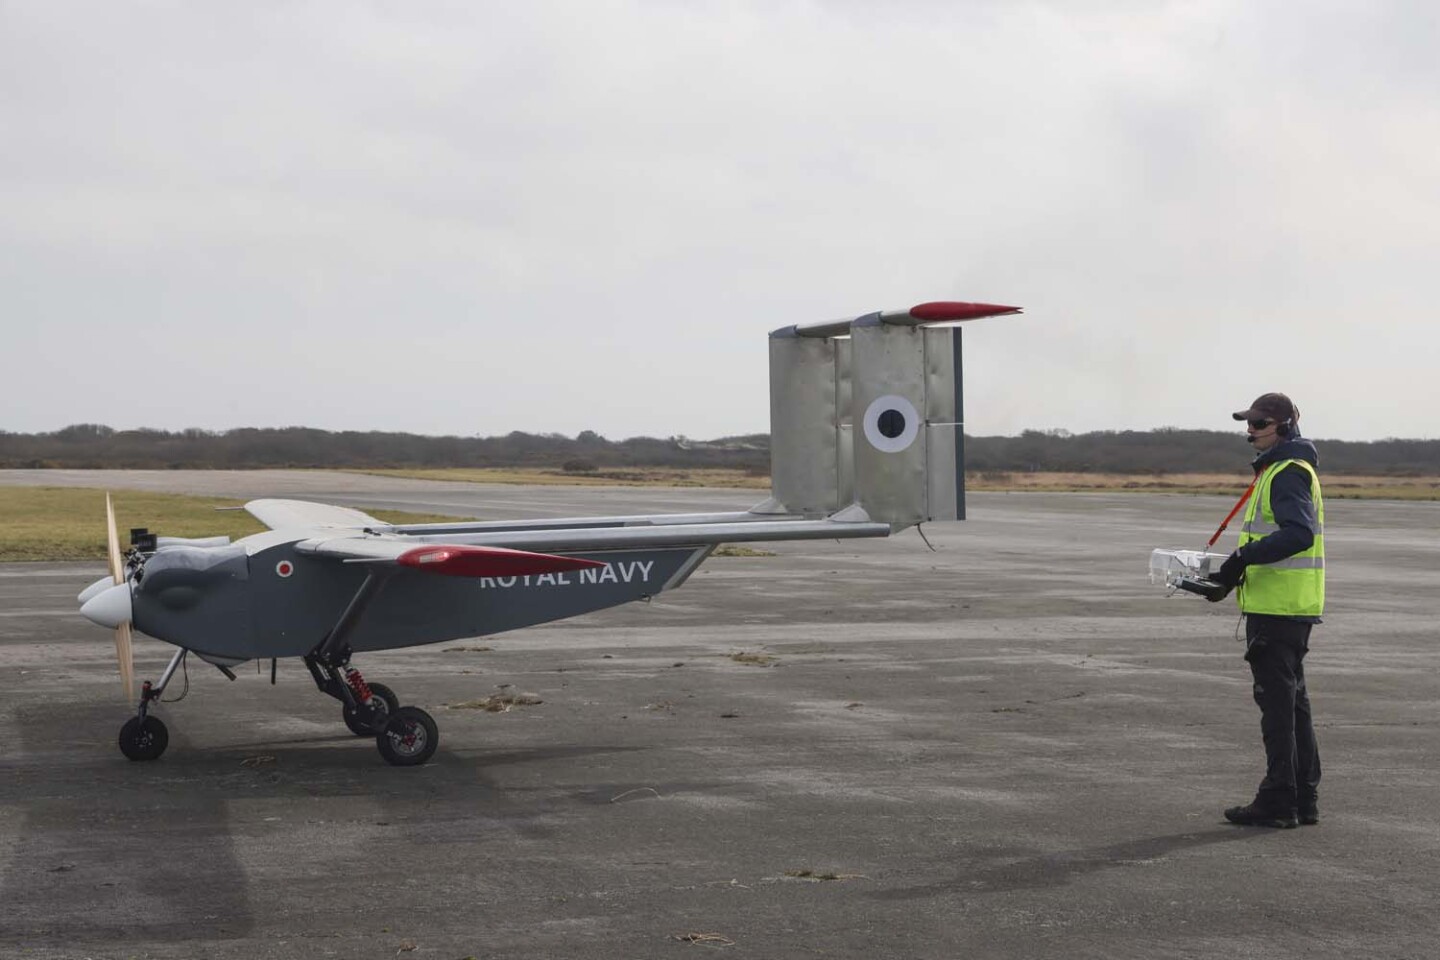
[472,219]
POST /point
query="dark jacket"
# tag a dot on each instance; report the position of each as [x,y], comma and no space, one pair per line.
[1293,506]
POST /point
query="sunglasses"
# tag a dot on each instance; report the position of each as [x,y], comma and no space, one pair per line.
[1259,424]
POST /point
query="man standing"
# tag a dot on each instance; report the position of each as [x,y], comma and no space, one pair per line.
[1279,571]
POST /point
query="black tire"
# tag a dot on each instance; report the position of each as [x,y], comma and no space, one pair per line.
[392,702]
[388,704]
[143,741]
[409,739]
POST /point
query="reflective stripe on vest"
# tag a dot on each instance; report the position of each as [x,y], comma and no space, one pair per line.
[1298,563]
[1294,586]
[1261,528]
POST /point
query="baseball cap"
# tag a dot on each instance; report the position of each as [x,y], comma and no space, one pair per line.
[1270,406]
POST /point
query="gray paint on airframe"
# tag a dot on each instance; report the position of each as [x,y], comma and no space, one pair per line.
[260,614]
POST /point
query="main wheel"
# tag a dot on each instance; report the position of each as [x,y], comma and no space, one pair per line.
[383,705]
[143,741]
[410,737]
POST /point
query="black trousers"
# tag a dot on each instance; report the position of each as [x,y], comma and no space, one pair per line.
[1275,649]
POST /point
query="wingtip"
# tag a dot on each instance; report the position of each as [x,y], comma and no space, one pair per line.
[939,311]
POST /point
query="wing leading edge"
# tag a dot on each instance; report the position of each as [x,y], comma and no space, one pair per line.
[279,514]
[387,547]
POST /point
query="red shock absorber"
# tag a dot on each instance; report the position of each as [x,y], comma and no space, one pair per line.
[358,686]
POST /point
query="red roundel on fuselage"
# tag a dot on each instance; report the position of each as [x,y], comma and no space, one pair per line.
[284,568]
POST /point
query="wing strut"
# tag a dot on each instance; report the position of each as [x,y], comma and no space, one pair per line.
[334,643]
[329,662]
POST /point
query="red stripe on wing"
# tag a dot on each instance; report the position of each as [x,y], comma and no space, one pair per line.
[468,561]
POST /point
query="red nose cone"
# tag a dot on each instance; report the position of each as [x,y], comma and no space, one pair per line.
[950,310]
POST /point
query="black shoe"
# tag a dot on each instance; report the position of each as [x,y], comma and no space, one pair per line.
[1309,813]
[1253,815]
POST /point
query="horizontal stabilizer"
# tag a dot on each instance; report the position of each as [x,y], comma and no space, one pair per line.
[455,560]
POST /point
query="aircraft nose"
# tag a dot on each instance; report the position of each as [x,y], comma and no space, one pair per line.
[109,608]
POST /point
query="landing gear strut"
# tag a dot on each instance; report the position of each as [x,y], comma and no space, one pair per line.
[144,737]
[405,736]
[382,704]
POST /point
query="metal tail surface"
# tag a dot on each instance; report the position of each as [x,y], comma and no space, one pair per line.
[867,416]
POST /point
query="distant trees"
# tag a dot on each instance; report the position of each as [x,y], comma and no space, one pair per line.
[1170,450]
[98,446]
[1166,450]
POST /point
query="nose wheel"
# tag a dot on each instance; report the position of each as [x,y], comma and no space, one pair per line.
[143,738]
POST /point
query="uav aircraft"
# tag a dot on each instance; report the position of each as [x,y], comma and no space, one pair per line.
[867,439]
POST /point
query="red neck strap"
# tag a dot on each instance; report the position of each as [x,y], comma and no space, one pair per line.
[1234,510]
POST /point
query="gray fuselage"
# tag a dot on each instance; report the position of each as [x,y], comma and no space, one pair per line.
[278,602]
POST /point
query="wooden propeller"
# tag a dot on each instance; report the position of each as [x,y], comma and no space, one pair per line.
[124,652]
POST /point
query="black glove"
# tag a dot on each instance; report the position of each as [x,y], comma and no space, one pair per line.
[1231,572]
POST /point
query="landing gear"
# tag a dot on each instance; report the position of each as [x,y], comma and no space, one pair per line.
[383,703]
[143,738]
[405,736]
[409,738]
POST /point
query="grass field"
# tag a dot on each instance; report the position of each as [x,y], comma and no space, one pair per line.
[68,523]
[1336,486]
[608,477]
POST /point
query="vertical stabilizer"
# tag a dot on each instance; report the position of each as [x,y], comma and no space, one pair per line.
[867,417]
[810,422]
[909,437]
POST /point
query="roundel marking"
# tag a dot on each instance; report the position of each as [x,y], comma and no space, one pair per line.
[891,423]
[284,568]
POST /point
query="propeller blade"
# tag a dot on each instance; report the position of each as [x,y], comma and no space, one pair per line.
[112,542]
[125,654]
[124,651]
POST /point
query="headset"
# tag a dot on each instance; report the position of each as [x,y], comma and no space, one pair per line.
[1288,428]
[1284,429]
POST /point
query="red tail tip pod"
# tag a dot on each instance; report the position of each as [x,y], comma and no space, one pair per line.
[942,310]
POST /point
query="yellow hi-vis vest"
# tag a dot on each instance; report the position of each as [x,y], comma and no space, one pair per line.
[1295,586]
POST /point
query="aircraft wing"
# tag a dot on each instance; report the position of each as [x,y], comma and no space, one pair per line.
[278,514]
[389,547]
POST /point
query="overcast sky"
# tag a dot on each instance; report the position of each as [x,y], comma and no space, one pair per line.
[473,218]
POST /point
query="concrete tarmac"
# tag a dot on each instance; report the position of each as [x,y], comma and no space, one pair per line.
[1011,747]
